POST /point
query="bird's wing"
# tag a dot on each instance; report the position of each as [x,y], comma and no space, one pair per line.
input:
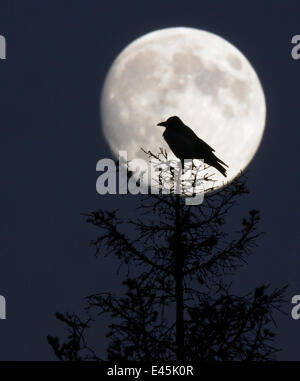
[193,137]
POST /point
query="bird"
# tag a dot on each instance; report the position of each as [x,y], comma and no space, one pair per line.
[185,144]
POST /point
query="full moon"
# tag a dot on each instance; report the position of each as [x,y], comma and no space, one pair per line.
[198,76]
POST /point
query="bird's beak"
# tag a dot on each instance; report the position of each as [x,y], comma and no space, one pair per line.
[161,124]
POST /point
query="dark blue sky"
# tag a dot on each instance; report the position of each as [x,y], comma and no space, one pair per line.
[58,53]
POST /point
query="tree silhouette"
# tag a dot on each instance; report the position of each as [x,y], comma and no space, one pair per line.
[178,302]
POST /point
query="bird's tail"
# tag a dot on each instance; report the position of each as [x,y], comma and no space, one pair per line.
[219,167]
[220,161]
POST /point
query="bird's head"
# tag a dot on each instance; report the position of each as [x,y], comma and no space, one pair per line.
[173,121]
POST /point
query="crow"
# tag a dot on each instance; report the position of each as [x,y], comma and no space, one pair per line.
[185,144]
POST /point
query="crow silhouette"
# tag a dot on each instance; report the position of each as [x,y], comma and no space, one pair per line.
[185,144]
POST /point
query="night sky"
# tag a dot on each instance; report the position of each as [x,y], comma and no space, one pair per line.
[58,53]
